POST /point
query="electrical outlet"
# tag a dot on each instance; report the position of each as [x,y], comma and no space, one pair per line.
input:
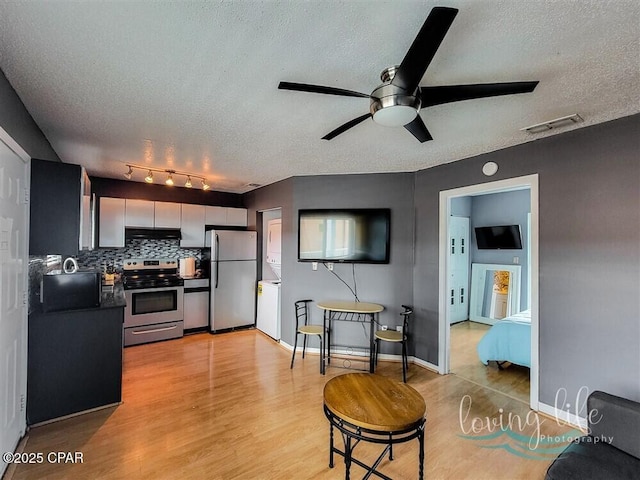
[330,266]
[314,266]
[384,328]
[399,328]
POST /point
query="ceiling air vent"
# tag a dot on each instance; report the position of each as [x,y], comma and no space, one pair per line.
[253,185]
[550,124]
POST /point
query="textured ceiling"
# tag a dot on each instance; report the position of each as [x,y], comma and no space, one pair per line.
[192,86]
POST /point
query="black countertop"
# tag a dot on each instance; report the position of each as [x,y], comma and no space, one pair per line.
[113,298]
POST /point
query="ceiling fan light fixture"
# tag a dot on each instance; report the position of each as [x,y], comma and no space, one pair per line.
[395,116]
[394,110]
[149,177]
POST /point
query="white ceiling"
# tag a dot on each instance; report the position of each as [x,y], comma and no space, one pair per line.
[192,86]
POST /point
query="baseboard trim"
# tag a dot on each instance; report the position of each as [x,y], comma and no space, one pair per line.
[562,417]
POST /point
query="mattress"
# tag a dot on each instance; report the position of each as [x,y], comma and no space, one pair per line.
[508,340]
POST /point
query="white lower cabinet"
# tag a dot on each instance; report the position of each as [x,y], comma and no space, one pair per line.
[196,303]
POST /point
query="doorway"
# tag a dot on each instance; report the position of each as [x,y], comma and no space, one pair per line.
[14,239]
[529,183]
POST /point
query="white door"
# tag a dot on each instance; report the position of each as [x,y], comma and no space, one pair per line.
[458,294]
[14,259]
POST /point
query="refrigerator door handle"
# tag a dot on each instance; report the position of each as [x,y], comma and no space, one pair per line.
[217,258]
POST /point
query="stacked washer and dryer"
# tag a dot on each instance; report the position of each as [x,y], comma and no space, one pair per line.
[268,317]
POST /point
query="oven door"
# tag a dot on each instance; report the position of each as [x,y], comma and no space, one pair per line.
[149,306]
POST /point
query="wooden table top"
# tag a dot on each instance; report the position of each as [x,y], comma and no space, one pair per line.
[375,402]
[350,307]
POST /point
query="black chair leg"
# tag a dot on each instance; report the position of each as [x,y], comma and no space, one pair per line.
[304,345]
[404,362]
[295,346]
[321,356]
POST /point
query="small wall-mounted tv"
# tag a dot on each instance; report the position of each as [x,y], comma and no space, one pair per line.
[344,235]
[501,237]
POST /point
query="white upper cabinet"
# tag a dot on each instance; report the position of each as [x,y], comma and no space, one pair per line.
[192,226]
[139,213]
[112,214]
[215,215]
[237,217]
[167,215]
[226,216]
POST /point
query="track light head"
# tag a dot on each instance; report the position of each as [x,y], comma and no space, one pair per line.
[169,180]
[205,185]
[129,173]
[149,177]
[188,182]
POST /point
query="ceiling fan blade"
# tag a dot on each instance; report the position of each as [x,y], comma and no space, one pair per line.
[455,93]
[346,126]
[423,48]
[303,87]
[419,130]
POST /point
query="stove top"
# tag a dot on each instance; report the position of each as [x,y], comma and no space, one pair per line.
[150,273]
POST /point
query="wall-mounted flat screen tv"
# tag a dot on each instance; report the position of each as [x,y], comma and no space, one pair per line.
[344,235]
[502,237]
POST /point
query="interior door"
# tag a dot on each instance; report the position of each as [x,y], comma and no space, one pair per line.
[14,238]
[458,269]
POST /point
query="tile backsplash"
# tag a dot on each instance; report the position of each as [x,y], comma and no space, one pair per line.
[102,257]
[135,248]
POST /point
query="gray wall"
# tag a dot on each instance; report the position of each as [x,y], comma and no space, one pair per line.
[17,122]
[389,285]
[589,265]
[507,208]
[589,245]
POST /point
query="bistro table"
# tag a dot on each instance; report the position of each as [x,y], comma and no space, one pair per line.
[372,408]
[347,311]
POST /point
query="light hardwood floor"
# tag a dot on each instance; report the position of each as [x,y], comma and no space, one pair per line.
[228,407]
[513,380]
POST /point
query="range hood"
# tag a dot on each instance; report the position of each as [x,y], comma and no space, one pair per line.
[152,233]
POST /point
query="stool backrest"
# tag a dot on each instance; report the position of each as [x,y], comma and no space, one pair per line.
[302,312]
[408,311]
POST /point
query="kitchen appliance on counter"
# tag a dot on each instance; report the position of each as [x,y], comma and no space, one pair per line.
[71,291]
[187,267]
[233,278]
[155,300]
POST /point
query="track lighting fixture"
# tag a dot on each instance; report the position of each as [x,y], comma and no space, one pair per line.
[129,173]
[170,181]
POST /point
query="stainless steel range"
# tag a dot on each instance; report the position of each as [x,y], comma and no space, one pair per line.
[154,293]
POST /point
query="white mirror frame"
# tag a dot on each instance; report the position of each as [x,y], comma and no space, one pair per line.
[478,277]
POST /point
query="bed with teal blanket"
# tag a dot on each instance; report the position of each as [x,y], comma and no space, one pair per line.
[508,340]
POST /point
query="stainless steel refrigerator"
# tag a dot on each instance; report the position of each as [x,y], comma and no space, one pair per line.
[233,278]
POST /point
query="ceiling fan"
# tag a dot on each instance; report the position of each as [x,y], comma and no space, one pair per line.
[398,100]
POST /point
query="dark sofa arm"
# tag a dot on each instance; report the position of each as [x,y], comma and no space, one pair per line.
[616,418]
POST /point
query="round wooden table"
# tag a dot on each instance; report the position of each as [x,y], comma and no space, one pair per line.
[372,408]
